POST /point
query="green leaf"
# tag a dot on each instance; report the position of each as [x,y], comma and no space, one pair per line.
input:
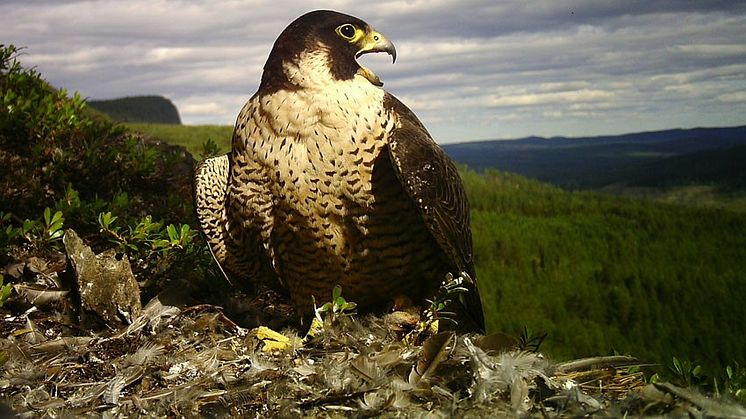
[104,219]
[57,218]
[336,292]
[677,366]
[121,200]
[5,291]
[184,232]
[326,307]
[339,303]
[172,233]
[28,225]
[161,244]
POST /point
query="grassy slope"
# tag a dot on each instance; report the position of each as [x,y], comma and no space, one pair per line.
[190,136]
[599,273]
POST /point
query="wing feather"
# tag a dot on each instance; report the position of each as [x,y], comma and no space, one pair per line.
[238,250]
[432,181]
[210,186]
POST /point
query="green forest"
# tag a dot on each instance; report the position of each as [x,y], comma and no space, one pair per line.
[599,274]
[603,274]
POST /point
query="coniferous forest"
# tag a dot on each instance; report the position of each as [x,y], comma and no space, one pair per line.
[604,274]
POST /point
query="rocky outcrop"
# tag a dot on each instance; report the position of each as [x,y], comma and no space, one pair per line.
[105,283]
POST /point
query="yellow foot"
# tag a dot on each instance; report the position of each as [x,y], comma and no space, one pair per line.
[273,341]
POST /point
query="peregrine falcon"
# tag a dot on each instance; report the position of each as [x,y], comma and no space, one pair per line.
[332,180]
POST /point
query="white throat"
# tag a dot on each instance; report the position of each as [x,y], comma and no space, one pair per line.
[311,69]
[321,100]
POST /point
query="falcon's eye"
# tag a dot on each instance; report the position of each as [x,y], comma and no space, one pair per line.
[347,31]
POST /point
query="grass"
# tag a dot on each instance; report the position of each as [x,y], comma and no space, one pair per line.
[190,136]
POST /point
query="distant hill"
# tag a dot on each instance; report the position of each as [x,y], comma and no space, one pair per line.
[722,166]
[150,109]
[649,158]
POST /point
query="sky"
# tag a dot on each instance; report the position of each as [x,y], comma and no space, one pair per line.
[469,69]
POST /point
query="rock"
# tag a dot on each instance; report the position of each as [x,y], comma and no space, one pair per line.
[105,284]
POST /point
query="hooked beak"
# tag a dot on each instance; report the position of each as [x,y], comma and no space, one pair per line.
[374,42]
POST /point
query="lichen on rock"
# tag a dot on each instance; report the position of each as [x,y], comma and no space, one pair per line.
[105,283]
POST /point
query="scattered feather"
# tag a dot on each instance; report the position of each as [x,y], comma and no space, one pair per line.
[433,353]
[39,295]
[708,406]
[146,353]
[596,363]
[171,362]
[122,380]
[368,369]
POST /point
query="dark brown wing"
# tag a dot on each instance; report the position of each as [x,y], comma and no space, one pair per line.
[432,181]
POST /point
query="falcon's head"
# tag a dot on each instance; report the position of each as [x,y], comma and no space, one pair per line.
[322,46]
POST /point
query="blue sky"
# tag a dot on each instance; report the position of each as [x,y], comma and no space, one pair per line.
[470,69]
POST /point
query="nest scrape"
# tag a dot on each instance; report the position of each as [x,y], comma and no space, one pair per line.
[197,362]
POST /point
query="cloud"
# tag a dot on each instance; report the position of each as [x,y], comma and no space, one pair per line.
[537,99]
[733,97]
[470,70]
[207,108]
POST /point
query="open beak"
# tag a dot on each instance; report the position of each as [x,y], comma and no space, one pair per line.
[374,42]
